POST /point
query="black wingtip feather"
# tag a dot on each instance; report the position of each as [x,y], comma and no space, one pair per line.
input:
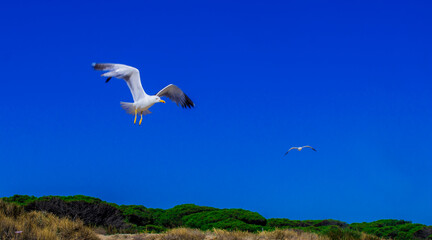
[98,66]
[188,102]
[107,80]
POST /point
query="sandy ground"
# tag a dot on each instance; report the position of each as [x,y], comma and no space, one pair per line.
[121,236]
[116,236]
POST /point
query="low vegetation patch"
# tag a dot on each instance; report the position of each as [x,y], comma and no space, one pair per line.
[92,213]
[220,234]
[229,219]
[16,223]
[395,229]
[139,219]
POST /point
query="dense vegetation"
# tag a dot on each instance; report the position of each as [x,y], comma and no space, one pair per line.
[229,219]
[136,218]
[91,213]
[16,223]
[395,229]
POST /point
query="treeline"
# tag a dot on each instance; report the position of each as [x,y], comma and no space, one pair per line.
[137,218]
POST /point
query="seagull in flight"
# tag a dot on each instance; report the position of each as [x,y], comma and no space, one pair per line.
[142,101]
[300,148]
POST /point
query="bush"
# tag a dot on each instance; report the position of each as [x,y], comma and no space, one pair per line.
[286,223]
[20,199]
[283,234]
[150,229]
[173,217]
[331,222]
[232,225]
[395,229]
[231,219]
[74,198]
[423,233]
[99,214]
[336,233]
[39,225]
[10,210]
[140,215]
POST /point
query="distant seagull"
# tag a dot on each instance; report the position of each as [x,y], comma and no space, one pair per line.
[142,101]
[300,148]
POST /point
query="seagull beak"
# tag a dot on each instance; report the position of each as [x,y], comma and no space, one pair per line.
[162,101]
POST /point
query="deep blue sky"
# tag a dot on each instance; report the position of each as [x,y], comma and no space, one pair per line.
[352,79]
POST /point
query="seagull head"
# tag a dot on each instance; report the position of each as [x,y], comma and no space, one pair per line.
[157,99]
[300,148]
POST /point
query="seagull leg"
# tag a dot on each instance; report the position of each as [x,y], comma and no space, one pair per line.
[140,119]
[136,111]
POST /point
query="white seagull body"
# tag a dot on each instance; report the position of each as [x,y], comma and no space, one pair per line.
[300,148]
[142,101]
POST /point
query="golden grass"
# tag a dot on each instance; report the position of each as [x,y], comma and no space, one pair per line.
[218,234]
[39,225]
[278,234]
[288,234]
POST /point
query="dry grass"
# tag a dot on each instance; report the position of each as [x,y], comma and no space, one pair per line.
[173,234]
[39,225]
[289,234]
[365,236]
[183,233]
[285,234]
[218,234]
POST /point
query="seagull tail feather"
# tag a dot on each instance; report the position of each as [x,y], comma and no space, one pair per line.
[128,107]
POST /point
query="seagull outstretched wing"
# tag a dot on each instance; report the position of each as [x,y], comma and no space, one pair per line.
[121,71]
[310,148]
[176,95]
[290,150]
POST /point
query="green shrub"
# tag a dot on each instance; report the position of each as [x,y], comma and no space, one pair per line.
[140,215]
[173,217]
[395,229]
[232,224]
[286,223]
[20,199]
[80,198]
[230,219]
[149,229]
[336,233]
[154,228]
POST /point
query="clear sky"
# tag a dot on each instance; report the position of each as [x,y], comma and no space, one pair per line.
[351,78]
